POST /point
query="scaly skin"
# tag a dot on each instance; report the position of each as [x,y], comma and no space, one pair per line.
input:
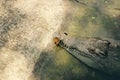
[101,54]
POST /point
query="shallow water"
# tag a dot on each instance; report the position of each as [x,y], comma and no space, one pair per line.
[27,27]
[86,18]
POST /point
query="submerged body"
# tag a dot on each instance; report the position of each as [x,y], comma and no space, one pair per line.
[101,54]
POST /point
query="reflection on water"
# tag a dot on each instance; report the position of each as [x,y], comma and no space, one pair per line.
[86,18]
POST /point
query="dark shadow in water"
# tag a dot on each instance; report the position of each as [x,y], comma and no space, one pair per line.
[112,26]
[46,69]
[43,62]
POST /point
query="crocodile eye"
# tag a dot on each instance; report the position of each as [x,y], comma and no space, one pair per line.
[56,40]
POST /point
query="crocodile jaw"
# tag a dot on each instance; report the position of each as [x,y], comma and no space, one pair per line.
[78,54]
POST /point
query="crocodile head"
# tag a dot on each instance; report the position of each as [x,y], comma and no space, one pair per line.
[102,54]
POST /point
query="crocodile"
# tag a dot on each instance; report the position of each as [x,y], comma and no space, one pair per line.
[97,53]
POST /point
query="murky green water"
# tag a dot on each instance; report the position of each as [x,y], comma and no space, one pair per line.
[87,18]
